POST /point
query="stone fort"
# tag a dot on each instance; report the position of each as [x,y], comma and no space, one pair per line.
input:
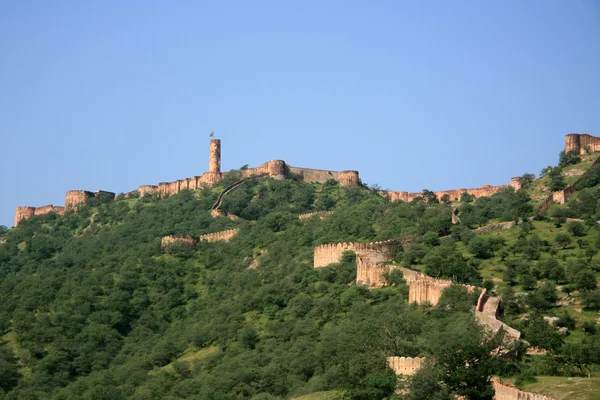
[278,169]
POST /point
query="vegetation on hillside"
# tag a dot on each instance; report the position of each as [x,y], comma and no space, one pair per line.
[91,308]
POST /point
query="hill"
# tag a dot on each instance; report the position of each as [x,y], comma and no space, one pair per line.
[93,306]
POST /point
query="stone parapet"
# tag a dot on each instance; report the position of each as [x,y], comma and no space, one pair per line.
[320,214]
[506,392]
[220,236]
[374,252]
[168,242]
[581,143]
[405,365]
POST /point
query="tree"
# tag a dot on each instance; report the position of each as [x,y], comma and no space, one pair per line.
[557,180]
[526,179]
[429,197]
[445,199]
[569,158]
[576,228]
[480,247]
[464,355]
[563,240]
[9,369]
[425,383]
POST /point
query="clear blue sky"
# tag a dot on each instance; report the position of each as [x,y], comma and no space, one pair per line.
[412,94]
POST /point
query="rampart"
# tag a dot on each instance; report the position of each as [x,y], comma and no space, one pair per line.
[427,290]
[220,236]
[581,143]
[560,196]
[405,365]
[168,242]
[375,252]
[506,392]
[487,311]
[321,214]
[28,212]
[453,194]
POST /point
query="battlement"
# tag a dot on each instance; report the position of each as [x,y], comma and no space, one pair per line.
[220,236]
[167,243]
[453,194]
[405,365]
[581,143]
[486,312]
[506,392]
[374,252]
[320,214]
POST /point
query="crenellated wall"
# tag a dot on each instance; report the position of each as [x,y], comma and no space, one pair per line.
[487,311]
[454,194]
[320,214]
[220,236]
[178,240]
[405,365]
[581,143]
[506,392]
[374,252]
[427,290]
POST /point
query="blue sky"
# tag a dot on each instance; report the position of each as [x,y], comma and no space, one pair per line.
[412,94]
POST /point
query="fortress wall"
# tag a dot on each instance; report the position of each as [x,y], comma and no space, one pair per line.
[209,178]
[178,240]
[49,208]
[314,175]
[580,143]
[23,212]
[454,194]
[147,189]
[168,188]
[349,178]
[429,289]
[260,170]
[486,312]
[320,214]
[219,236]
[505,392]
[405,365]
[501,226]
[370,274]
[75,197]
[375,252]
[326,254]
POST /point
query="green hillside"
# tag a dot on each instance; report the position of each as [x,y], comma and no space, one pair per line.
[92,308]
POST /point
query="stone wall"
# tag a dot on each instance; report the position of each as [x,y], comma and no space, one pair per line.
[506,392]
[167,242]
[581,143]
[454,194]
[375,252]
[220,236]
[561,196]
[427,290]
[487,311]
[320,214]
[405,365]
[74,198]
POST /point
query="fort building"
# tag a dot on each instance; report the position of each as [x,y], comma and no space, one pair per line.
[581,143]
[279,169]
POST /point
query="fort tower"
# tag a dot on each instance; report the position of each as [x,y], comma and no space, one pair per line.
[214,163]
